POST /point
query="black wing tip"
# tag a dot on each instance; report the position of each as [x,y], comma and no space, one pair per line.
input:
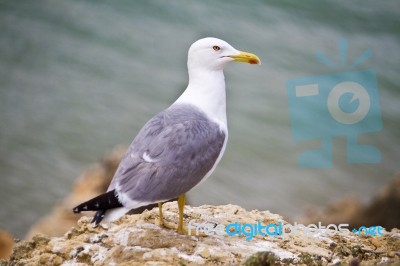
[100,204]
[105,201]
[81,207]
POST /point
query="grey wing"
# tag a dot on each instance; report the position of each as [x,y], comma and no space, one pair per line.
[170,155]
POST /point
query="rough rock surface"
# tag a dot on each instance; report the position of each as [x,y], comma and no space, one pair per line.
[139,240]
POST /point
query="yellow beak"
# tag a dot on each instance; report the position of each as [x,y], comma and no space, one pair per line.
[247,58]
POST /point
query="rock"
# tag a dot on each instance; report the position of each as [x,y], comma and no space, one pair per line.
[383,210]
[138,240]
[266,258]
[6,244]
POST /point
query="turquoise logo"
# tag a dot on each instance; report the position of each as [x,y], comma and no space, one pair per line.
[341,104]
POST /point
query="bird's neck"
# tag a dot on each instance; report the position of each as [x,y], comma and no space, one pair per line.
[206,90]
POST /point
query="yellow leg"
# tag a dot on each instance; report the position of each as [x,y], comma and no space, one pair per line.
[181,205]
[160,212]
[181,229]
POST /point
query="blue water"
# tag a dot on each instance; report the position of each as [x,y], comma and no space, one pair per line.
[80,77]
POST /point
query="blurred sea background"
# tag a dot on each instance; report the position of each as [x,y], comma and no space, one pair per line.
[79,77]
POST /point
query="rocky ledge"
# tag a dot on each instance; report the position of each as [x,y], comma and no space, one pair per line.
[139,240]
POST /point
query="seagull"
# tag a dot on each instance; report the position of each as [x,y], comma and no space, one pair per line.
[178,148]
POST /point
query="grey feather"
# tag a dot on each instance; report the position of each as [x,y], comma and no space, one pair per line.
[184,146]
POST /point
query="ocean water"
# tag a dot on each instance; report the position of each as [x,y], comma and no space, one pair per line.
[80,77]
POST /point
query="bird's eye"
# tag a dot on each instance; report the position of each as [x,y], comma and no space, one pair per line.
[216,48]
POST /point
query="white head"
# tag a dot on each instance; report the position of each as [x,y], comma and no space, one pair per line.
[212,54]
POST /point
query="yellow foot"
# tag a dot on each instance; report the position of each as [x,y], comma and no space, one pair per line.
[184,230]
[180,229]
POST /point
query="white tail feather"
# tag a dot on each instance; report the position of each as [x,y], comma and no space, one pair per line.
[114,214]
